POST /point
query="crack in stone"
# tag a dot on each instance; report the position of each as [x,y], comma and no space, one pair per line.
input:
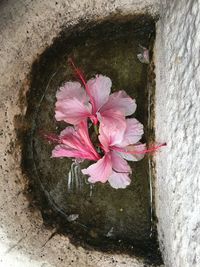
[50,237]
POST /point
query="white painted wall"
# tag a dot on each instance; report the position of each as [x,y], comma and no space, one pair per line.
[26,29]
[178,124]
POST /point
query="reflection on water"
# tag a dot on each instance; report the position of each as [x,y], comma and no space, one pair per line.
[74,179]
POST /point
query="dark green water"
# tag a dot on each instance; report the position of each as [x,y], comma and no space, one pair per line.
[107,219]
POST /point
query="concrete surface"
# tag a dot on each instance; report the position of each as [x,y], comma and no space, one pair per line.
[26,29]
[177,123]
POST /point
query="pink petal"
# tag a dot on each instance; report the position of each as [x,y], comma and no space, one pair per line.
[70,138]
[65,151]
[71,111]
[68,131]
[99,89]
[76,143]
[133,132]
[82,130]
[120,101]
[119,164]
[71,90]
[119,180]
[112,127]
[99,171]
[129,154]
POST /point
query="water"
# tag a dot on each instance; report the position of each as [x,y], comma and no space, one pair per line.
[95,215]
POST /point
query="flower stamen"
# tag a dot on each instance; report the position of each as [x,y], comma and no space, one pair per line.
[80,75]
[149,150]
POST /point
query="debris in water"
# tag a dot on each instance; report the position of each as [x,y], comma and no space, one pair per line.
[110,232]
[143,56]
[72,217]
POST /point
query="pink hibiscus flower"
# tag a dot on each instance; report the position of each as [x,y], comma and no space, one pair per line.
[113,167]
[119,137]
[74,143]
[74,104]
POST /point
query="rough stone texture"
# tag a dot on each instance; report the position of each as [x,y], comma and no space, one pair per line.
[177,123]
[26,29]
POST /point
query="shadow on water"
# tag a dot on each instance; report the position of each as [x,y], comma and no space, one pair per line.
[97,217]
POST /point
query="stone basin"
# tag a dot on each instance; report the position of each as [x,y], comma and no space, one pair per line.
[28,29]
